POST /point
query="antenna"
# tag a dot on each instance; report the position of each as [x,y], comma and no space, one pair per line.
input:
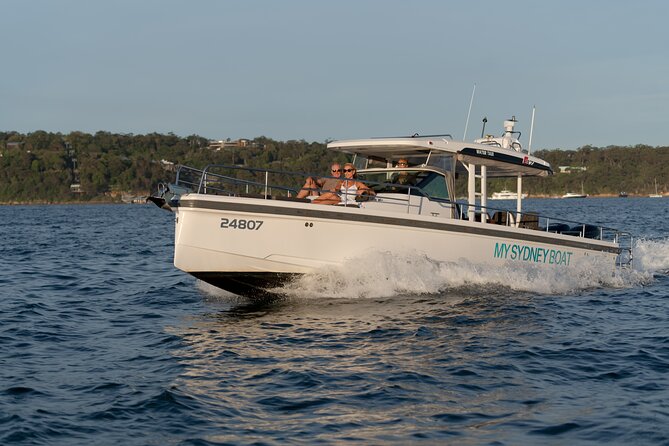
[529,144]
[471,101]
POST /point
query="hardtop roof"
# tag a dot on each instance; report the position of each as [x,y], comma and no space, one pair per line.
[500,161]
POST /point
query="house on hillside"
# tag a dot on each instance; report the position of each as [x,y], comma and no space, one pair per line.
[228,144]
[572,169]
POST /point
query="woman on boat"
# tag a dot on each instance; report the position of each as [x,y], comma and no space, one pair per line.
[346,190]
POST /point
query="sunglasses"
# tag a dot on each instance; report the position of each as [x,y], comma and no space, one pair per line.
[349,170]
[336,170]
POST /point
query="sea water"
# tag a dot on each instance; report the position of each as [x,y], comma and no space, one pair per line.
[103,341]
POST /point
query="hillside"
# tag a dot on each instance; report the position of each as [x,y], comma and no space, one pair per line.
[79,167]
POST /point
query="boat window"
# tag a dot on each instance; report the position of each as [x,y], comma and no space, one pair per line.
[434,185]
[362,162]
[441,160]
[376,162]
[376,177]
[431,183]
[359,162]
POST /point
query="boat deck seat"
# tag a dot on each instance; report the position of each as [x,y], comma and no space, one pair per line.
[557,228]
[587,231]
[477,216]
[500,218]
[529,220]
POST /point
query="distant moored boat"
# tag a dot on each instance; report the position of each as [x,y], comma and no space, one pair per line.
[655,195]
[506,195]
[574,195]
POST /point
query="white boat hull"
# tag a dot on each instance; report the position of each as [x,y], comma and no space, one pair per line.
[506,195]
[241,244]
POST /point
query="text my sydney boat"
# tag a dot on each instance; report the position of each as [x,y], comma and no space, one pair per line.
[241,229]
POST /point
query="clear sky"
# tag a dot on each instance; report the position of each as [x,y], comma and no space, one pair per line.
[596,70]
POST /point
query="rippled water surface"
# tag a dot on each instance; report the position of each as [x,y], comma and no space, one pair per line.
[103,341]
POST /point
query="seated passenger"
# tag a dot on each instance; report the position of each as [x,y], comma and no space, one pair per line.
[404,178]
[347,190]
[314,186]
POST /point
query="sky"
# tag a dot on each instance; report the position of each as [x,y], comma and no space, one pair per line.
[596,71]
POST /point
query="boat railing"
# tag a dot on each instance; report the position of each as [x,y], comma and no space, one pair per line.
[219,179]
[535,221]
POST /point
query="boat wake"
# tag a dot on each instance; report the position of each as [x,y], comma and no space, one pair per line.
[379,274]
[382,275]
[652,255]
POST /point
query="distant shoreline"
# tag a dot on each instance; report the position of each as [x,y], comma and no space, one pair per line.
[49,203]
[45,203]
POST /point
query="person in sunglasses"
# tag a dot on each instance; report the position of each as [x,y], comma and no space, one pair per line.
[403,177]
[347,190]
[313,187]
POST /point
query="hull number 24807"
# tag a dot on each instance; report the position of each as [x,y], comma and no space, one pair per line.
[240,223]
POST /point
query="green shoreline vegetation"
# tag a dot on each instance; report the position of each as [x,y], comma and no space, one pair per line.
[44,168]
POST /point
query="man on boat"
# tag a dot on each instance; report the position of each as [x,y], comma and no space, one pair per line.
[315,186]
[404,178]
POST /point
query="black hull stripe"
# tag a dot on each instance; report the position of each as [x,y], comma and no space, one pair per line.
[256,286]
[392,221]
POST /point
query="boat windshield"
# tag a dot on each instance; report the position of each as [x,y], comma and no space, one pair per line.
[441,160]
[362,162]
[415,159]
[430,183]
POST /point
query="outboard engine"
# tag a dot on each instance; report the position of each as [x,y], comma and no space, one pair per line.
[159,199]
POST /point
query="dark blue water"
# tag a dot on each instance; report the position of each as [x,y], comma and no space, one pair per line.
[103,341]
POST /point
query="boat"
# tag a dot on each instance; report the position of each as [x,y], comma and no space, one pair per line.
[242,229]
[623,194]
[574,195]
[655,195]
[506,195]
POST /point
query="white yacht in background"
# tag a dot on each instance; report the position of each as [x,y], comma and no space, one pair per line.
[506,195]
[241,229]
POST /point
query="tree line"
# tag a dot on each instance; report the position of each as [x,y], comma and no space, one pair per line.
[43,167]
[46,167]
[608,171]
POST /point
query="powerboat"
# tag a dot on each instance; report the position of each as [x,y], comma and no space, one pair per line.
[574,195]
[243,229]
[506,195]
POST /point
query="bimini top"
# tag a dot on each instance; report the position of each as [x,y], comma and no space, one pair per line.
[503,156]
